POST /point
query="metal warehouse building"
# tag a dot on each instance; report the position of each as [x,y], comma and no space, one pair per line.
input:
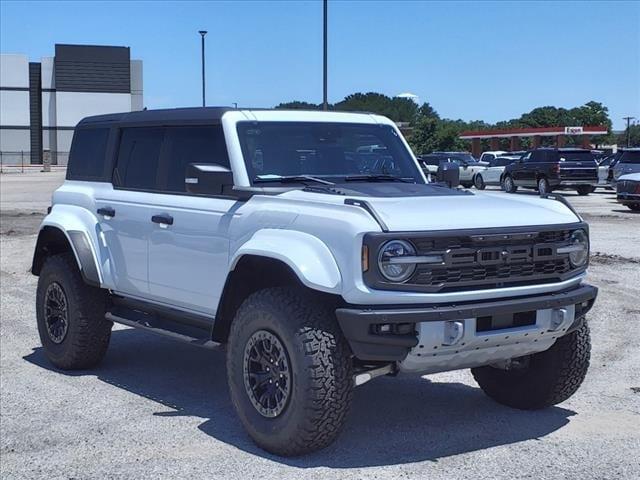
[41,102]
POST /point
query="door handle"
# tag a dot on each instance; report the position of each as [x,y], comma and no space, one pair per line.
[162,219]
[106,212]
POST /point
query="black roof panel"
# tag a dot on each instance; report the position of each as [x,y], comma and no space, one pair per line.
[158,117]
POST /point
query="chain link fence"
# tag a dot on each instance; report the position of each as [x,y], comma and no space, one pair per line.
[21,161]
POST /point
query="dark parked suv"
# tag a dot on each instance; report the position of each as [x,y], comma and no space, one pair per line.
[546,169]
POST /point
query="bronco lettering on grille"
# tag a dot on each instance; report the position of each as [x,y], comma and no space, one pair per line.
[499,255]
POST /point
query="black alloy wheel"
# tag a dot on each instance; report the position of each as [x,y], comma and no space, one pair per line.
[267,373]
[56,313]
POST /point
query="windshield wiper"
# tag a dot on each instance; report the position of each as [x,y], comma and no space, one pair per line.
[380,177]
[292,179]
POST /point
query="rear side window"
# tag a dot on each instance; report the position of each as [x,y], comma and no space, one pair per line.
[185,145]
[630,157]
[88,155]
[539,156]
[138,158]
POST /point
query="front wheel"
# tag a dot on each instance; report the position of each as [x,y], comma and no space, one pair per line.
[634,206]
[542,379]
[508,185]
[289,371]
[478,181]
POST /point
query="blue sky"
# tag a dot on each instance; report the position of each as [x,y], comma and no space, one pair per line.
[488,60]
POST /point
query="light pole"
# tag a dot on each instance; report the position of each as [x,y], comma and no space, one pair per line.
[628,119]
[325,105]
[202,34]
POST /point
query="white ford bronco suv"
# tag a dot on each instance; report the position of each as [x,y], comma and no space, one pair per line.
[312,246]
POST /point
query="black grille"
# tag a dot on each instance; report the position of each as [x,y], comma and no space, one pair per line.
[474,260]
[627,186]
[480,275]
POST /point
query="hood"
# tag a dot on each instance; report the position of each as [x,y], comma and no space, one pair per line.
[635,177]
[453,212]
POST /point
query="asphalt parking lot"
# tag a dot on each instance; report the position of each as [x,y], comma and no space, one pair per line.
[159,409]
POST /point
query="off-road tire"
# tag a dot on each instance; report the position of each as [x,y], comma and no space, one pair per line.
[543,186]
[321,367]
[508,185]
[88,333]
[551,377]
[478,182]
[585,189]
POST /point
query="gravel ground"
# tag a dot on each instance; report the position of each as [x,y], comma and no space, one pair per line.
[159,409]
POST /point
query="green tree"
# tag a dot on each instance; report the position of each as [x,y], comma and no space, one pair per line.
[634,136]
[423,135]
[591,113]
[427,110]
[544,117]
[397,109]
[298,105]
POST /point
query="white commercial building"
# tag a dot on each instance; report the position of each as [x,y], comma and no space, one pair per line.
[41,102]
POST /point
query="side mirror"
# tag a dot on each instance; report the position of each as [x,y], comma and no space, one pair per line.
[449,173]
[208,179]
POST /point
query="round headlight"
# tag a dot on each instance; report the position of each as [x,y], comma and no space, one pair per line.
[579,256]
[391,263]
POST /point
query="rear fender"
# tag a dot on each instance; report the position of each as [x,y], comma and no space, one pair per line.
[82,232]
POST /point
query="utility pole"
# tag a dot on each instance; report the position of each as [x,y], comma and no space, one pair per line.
[628,119]
[202,34]
[325,104]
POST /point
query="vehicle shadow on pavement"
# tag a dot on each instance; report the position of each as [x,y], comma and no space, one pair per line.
[392,420]
[632,212]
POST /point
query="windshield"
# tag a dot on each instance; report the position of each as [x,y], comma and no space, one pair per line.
[324,150]
[630,156]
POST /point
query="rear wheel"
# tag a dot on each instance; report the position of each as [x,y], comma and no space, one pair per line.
[543,186]
[478,181]
[289,371]
[634,206]
[585,189]
[508,185]
[542,379]
[70,314]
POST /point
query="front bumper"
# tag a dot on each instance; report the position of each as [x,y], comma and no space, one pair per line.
[369,342]
[625,198]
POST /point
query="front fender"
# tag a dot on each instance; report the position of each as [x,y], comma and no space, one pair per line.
[306,255]
[82,231]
